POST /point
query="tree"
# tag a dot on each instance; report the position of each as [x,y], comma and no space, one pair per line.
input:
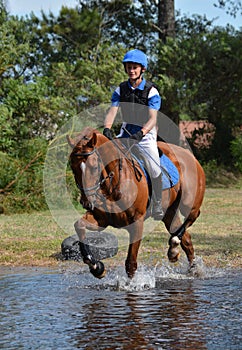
[50,69]
[126,22]
[232,7]
[166,19]
[221,88]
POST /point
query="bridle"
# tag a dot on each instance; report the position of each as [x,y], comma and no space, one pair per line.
[88,190]
[93,190]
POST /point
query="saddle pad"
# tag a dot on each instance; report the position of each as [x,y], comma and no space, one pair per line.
[170,174]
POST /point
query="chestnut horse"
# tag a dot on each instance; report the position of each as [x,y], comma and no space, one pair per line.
[114,191]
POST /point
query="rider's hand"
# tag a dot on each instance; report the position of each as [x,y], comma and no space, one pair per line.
[108,133]
[137,136]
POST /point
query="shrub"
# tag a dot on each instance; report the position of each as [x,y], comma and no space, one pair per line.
[236,149]
[21,177]
[9,169]
[218,175]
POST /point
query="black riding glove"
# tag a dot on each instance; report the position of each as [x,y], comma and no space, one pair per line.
[108,133]
[137,136]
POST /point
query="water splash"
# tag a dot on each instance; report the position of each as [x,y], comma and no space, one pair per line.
[182,270]
[146,277]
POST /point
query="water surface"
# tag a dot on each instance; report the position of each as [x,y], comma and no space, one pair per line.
[162,308]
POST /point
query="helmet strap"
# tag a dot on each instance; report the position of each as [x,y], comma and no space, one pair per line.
[133,83]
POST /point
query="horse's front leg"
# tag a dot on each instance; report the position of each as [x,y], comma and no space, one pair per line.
[96,267]
[135,237]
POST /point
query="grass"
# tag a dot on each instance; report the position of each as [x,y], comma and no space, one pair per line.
[217,234]
[29,239]
[35,239]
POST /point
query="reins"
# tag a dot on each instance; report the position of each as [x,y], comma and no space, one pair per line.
[137,172]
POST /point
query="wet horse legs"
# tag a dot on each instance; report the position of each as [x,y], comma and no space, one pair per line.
[96,267]
[179,236]
[135,234]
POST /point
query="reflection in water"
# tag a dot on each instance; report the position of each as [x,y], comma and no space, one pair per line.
[144,320]
[40,310]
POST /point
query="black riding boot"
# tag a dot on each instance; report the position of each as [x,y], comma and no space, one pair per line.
[157,211]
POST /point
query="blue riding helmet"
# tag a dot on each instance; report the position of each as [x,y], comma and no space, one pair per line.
[136,56]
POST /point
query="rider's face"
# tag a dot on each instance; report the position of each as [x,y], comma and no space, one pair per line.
[133,70]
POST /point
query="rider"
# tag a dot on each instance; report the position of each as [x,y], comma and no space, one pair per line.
[139,122]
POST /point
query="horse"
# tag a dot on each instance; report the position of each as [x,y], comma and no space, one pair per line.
[115,192]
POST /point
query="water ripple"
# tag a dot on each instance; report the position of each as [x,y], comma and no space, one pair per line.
[161,308]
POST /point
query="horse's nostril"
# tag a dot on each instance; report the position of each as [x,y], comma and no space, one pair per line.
[92,205]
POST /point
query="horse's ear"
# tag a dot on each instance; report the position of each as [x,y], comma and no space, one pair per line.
[70,141]
[92,142]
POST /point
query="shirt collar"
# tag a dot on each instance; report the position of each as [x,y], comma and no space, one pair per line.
[141,86]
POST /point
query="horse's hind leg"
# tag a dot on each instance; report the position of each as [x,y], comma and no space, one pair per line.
[173,224]
[187,246]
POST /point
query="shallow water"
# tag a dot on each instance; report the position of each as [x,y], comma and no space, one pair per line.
[162,308]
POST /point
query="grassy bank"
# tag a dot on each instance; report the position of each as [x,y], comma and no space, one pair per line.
[35,239]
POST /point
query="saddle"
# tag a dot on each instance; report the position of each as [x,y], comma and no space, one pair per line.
[170,174]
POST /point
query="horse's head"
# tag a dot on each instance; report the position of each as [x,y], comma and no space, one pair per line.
[86,165]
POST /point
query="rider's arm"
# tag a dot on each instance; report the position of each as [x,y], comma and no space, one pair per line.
[151,121]
[154,104]
[110,116]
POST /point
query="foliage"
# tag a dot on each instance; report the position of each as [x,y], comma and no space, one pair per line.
[236,149]
[21,179]
[128,22]
[54,67]
[218,176]
[232,6]
[200,76]
[9,169]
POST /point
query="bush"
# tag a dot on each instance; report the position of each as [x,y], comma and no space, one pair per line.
[21,178]
[9,169]
[236,149]
[218,175]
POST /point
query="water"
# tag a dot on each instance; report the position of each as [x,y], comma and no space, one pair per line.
[162,308]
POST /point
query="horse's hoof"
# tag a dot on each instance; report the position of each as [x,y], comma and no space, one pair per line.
[173,259]
[130,268]
[193,265]
[99,271]
[173,254]
[130,275]
[195,270]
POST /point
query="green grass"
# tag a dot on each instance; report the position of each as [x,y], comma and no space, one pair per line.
[35,239]
[29,239]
